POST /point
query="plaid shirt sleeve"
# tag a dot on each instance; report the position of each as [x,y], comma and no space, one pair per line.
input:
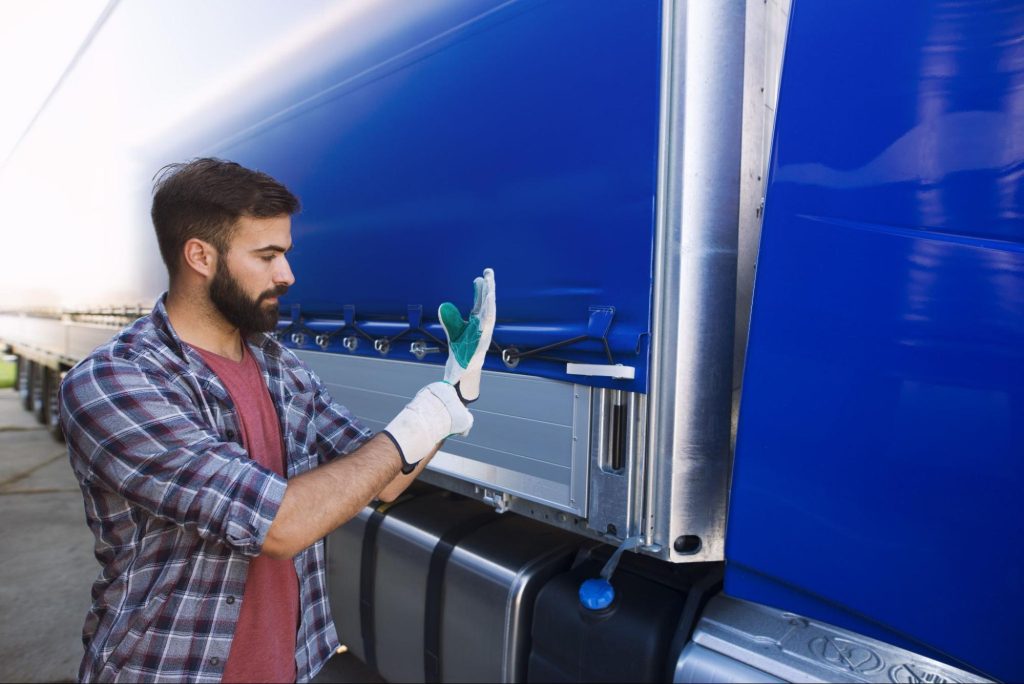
[132,430]
[338,432]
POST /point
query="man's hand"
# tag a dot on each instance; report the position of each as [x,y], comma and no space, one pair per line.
[433,415]
[468,341]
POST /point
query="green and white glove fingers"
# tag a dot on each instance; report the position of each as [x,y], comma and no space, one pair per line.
[433,415]
[468,341]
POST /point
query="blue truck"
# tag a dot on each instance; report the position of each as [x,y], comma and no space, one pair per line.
[754,410]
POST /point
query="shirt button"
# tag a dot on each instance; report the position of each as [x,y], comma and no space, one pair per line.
[230,600]
[231,434]
[215,661]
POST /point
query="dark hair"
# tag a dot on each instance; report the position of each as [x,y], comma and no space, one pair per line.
[204,198]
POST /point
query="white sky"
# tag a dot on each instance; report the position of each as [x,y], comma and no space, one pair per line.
[38,38]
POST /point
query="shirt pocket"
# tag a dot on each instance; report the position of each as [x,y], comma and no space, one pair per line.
[229,427]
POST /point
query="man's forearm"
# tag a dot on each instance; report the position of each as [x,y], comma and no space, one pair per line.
[317,502]
[321,500]
[401,481]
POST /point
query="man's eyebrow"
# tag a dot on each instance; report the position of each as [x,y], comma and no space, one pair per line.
[274,248]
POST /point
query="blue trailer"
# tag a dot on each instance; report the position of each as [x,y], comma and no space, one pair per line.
[827,496]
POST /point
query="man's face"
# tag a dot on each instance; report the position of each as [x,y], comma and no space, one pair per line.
[254,273]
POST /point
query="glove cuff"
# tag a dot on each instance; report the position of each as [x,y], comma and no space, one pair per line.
[406,466]
[433,414]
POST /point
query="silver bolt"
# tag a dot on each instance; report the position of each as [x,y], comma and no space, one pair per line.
[419,349]
[510,357]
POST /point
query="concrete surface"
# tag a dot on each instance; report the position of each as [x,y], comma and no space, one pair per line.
[46,562]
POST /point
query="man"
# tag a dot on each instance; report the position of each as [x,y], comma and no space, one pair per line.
[213,461]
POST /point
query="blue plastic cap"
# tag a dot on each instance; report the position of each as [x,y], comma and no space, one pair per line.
[596,593]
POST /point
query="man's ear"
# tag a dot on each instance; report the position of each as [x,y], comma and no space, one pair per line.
[201,257]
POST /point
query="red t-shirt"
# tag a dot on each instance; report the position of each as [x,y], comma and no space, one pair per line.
[263,649]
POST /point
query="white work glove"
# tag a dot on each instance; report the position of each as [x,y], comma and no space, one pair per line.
[468,341]
[433,415]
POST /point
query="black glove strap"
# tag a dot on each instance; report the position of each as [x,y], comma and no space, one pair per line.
[406,466]
[458,391]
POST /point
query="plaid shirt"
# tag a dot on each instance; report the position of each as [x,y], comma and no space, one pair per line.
[178,507]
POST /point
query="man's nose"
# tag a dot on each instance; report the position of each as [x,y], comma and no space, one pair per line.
[284,275]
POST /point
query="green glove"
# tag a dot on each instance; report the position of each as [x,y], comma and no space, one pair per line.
[468,341]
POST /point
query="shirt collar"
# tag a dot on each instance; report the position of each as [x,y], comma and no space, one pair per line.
[162,323]
[262,341]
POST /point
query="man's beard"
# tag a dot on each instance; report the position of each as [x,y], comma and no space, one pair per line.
[245,313]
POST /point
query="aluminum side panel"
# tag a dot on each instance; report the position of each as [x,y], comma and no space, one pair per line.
[529,437]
